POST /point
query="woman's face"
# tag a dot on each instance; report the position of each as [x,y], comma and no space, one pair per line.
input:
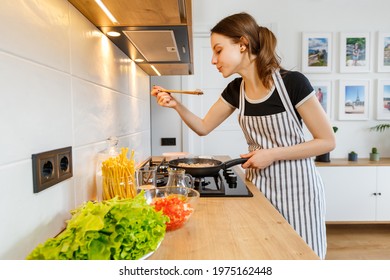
[227,55]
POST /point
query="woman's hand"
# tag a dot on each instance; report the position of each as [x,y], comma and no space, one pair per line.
[164,99]
[258,159]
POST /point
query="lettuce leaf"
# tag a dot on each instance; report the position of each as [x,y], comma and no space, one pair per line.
[116,229]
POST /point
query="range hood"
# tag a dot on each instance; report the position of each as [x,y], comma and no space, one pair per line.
[156,34]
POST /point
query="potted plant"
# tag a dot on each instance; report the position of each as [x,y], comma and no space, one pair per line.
[325,157]
[381,127]
[374,155]
[352,156]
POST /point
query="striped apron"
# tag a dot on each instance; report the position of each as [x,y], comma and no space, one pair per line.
[294,187]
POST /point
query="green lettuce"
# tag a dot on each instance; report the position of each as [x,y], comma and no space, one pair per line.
[116,229]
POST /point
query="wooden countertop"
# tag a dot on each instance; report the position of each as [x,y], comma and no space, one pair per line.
[234,228]
[359,162]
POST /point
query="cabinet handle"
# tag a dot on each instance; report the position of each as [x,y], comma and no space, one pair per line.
[377,193]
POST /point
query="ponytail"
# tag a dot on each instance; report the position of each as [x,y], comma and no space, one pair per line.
[267,61]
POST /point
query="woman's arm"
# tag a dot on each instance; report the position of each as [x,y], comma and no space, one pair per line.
[214,117]
[323,139]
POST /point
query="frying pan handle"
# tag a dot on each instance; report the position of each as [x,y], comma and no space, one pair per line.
[233,162]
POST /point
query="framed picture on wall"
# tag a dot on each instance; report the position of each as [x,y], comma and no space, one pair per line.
[354,52]
[354,98]
[384,52]
[317,52]
[323,89]
[383,100]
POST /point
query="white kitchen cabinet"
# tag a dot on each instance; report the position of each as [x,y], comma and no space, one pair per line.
[348,193]
[383,193]
[356,193]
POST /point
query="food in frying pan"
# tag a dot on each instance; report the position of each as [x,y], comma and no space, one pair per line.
[200,167]
[195,164]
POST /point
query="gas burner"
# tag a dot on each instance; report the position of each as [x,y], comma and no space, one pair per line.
[161,180]
[226,183]
[210,186]
[201,182]
[163,168]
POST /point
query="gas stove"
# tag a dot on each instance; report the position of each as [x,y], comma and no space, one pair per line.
[226,183]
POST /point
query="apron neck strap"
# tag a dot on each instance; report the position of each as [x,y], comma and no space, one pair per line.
[285,97]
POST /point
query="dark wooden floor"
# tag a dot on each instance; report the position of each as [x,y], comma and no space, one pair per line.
[358,242]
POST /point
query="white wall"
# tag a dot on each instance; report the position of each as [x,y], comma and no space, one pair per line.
[62,83]
[288,19]
[165,123]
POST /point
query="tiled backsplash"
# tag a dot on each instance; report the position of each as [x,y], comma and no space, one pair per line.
[62,83]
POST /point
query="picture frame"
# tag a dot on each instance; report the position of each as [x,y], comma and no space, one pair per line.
[323,92]
[354,99]
[383,100]
[355,52]
[383,52]
[317,52]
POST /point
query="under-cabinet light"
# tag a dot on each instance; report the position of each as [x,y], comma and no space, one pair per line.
[155,70]
[106,11]
[113,34]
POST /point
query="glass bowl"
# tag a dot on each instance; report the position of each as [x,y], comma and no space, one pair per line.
[178,203]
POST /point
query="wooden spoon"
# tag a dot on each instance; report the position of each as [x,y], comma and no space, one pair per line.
[195,92]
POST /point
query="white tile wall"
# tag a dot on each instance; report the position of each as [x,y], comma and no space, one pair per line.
[36,30]
[97,59]
[62,83]
[35,103]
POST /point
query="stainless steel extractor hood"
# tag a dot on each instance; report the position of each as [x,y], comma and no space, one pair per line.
[155,34]
[155,45]
[166,48]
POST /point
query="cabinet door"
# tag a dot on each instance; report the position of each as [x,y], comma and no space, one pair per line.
[383,193]
[349,193]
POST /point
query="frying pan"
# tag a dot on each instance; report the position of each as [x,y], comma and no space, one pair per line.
[203,171]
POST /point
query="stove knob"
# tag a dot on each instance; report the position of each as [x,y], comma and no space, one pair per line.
[227,172]
[232,181]
[232,178]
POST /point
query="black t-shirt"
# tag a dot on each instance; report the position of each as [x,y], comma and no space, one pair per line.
[297,86]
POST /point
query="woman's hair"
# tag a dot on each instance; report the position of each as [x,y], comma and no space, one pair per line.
[261,42]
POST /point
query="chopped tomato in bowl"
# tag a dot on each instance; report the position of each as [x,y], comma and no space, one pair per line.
[177,205]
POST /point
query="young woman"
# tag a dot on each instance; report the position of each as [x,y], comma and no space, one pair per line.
[272,103]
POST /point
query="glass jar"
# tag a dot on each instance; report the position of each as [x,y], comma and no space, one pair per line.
[110,151]
[121,187]
[177,178]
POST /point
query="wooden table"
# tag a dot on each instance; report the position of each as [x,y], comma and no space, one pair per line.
[234,228]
